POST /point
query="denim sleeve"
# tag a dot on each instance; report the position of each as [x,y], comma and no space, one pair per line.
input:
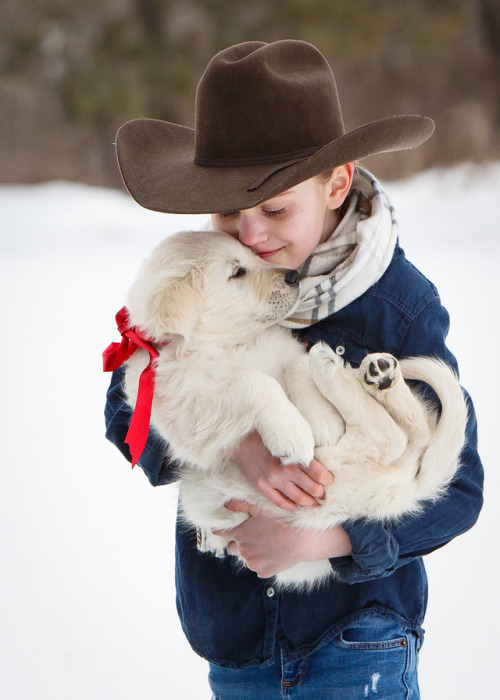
[380,548]
[154,461]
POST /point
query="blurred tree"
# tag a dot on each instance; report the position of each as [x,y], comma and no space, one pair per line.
[490,18]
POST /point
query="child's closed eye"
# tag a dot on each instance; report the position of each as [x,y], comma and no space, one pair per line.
[275,212]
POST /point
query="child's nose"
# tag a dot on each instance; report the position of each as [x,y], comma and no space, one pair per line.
[251,230]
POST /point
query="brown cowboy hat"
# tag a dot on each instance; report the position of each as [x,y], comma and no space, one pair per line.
[267,117]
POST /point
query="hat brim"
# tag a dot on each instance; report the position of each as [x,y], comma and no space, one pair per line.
[156,160]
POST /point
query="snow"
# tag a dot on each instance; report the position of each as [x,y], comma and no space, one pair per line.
[87,600]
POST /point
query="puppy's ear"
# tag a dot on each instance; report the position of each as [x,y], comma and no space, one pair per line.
[175,308]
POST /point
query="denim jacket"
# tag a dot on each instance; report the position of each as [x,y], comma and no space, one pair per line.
[233,618]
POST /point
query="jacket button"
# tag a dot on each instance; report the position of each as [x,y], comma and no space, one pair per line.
[270,592]
[340,350]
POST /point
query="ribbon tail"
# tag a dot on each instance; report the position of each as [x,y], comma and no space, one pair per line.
[138,431]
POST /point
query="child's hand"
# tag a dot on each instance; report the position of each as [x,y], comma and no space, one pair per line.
[286,486]
[269,546]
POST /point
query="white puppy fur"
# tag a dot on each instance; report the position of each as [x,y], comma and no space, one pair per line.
[229,369]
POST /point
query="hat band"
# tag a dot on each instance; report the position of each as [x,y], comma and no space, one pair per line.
[282,161]
[257,160]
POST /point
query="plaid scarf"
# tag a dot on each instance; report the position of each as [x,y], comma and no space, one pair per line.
[354,257]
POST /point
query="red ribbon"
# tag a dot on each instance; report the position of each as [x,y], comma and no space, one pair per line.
[113,357]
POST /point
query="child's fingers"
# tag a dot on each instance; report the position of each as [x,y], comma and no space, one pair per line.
[278,497]
[300,497]
[319,473]
[294,481]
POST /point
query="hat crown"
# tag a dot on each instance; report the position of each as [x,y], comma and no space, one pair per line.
[264,103]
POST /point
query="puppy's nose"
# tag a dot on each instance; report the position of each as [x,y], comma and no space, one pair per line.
[292,278]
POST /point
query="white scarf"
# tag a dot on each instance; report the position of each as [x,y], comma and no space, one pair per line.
[354,257]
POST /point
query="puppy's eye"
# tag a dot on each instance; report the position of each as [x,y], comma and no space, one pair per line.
[238,272]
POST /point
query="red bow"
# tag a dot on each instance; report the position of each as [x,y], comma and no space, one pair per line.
[113,357]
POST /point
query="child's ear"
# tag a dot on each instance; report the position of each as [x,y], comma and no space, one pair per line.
[339,185]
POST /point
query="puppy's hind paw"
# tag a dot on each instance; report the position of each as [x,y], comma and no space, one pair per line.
[379,372]
[325,367]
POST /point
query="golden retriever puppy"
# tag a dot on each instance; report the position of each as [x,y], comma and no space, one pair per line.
[226,368]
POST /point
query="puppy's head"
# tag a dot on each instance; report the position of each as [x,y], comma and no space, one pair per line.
[198,286]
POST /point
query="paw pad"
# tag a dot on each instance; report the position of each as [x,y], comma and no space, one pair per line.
[379,371]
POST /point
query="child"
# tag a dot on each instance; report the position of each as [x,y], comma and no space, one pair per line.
[270,159]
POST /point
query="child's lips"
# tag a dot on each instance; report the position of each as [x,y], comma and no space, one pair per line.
[267,253]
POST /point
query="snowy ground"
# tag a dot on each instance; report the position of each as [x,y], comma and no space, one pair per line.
[87,603]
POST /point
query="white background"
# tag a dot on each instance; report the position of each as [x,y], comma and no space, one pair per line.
[87,600]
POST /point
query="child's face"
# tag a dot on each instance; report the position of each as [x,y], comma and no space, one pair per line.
[286,229]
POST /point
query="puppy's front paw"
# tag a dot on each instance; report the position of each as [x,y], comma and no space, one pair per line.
[379,372]
[292,442]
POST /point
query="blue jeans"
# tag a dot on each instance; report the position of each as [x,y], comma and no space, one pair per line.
[375,658]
